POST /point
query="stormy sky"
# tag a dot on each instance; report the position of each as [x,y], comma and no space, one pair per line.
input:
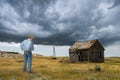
[60,22]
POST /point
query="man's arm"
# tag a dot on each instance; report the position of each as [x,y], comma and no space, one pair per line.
[32,46]
[22,45]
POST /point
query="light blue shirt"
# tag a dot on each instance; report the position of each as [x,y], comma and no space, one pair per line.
[27,45]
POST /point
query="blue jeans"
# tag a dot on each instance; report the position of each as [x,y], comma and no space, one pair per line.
[27,59]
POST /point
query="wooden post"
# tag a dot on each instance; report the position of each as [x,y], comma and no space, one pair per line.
[88,56]
[54,55]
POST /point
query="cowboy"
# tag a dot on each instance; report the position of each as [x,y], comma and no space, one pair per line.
[27,47]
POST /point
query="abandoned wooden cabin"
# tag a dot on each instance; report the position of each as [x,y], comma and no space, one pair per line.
[91,51]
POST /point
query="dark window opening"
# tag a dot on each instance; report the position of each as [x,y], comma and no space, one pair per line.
[92,53]
[73,52]
[79,57]
[100,54]
[94,46]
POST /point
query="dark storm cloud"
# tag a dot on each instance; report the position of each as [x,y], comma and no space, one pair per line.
[116,3]
[60,22]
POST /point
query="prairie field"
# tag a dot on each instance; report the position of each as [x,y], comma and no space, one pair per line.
[45,68]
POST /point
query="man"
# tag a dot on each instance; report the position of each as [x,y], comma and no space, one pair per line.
[27,47]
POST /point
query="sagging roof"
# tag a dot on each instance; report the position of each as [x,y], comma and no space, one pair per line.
[83,45]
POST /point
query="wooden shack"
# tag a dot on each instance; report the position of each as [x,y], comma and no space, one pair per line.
[91,51]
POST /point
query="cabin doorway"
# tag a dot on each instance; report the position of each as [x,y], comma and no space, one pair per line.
[80,56]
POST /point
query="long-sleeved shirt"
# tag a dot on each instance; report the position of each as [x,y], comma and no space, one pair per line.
[27,45]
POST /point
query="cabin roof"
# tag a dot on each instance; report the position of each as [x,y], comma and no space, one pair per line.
[83,45]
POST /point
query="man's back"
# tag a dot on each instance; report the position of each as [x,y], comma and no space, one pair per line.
[27,45]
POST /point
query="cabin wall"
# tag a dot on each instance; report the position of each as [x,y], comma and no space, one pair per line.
[73,56]
[90,55]
[96,56]
[96,53]
[82,55]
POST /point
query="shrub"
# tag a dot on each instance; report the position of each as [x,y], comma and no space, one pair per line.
[97,68]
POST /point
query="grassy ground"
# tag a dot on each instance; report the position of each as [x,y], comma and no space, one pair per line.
[45,68]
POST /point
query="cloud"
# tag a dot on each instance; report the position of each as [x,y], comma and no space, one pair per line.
[115,4]
[60,22]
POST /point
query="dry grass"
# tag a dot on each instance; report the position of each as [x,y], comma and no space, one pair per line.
[45,68]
